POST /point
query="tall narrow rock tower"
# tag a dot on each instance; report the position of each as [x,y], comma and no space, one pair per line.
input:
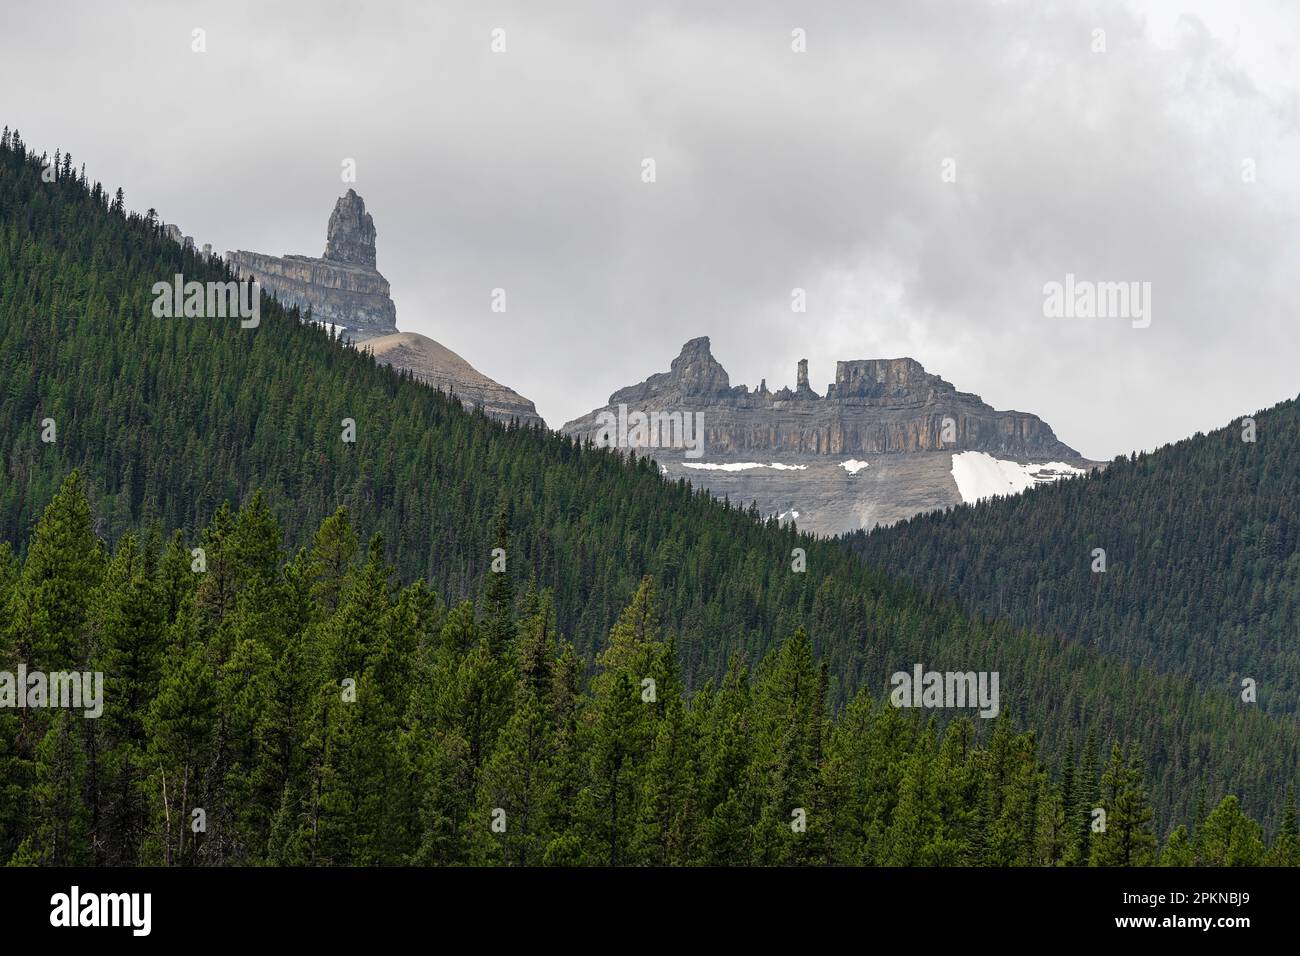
[342,289]
[351,235]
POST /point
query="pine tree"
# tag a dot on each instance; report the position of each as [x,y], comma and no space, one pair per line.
[1286,848]
[1178,850]
[131,642]
[47,618]
[517,783]
[329,562]
[498,598]
[1127,839]
[180,728]
[609,802]
[1089,799]
[62,833]
[665,835]
[1230,837]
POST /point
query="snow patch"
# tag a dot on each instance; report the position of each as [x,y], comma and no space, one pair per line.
[730,466]
[740,466]
[979,475]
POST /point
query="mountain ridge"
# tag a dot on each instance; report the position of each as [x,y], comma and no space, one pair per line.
[779,449]
[169,418]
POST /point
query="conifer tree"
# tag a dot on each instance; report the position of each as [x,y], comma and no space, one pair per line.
[609,801]
[1127,839]
[1178,850]
[1286,847]
[1230,837]
[61,836]
[498,598]
[47,616]
[180,728]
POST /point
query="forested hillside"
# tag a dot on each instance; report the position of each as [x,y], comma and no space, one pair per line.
[314,713]
[1202,549]
[168,418]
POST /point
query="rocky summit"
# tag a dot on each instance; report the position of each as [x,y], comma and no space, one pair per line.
[342,289]
[346,292]
[886,441]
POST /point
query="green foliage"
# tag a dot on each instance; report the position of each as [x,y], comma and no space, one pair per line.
[371,727]
[227,685]
[1202,542]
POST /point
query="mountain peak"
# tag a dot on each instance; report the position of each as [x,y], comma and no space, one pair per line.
[351,233]
[694,374]
[697,372]
[880,446]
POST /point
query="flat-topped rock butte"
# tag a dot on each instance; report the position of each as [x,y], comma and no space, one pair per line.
[888,440]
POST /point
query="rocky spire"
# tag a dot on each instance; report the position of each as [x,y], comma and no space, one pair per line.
[694,374]
[697,372]
[343,289]
[801,386]
[351,236]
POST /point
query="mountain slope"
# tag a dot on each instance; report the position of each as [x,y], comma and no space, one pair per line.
[442,368]
[169,418]
[1202,543]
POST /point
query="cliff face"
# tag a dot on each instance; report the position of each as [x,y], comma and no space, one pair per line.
[875,406]
[879,446]
[344,288]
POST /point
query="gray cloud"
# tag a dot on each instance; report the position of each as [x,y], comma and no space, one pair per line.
[818,170]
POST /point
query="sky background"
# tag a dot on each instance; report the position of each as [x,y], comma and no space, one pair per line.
[775,170]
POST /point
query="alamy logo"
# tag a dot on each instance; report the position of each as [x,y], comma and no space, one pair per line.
[209,300]
[923,688]
[102,909]
[651,430]
[1083,299]
[68,689]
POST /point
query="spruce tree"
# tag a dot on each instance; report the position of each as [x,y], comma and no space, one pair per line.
[1127,839]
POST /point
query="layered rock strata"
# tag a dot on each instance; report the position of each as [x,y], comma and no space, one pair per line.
[879,446]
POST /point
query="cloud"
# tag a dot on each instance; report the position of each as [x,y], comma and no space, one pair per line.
[775,170]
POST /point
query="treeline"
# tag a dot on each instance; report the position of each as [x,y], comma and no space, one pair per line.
[169,418]
[309,711]
[1202,558]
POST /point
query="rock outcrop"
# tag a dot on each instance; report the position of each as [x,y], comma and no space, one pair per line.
[444,369]
[342,289]
[878,447]
[345,291]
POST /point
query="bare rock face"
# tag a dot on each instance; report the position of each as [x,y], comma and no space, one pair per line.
[444,369]
[344,288]
[877,448]
[351,236]
[695,376]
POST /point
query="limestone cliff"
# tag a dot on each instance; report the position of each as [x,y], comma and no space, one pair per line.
[875,406]
[879,446]
[343,288]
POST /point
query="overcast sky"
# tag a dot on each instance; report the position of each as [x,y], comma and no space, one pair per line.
[775,169]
